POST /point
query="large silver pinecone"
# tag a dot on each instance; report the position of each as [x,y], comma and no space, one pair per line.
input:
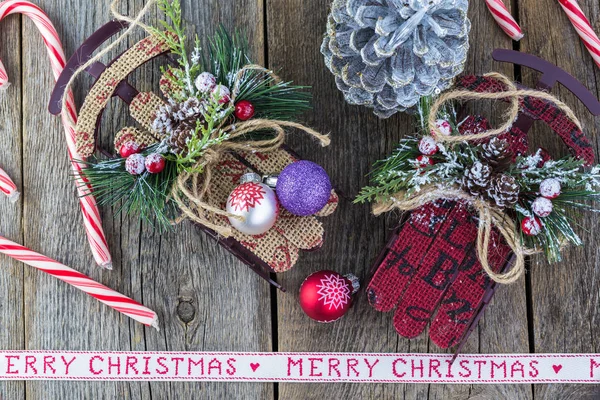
[386,54]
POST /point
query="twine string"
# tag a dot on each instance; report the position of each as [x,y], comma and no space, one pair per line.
[490,216]
[186,191]
[191,201]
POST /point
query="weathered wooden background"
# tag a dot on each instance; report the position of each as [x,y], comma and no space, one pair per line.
[205,298]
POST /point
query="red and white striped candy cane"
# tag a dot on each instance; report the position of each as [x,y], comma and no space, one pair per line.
[89,208]
[111,298]
[583,27]
[8,187]
[504,19]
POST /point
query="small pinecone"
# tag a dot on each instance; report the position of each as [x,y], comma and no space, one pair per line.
[178,140]
[504,190]
[177,120]
[477,178]
[497,154]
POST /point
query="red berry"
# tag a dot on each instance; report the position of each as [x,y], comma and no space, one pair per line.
[542,207]
[129,148]
[550,188]
[244,110]
[444,127]
[531,226]
[135,164]
[155,163]
[222,94]
[424,161]
[428,146]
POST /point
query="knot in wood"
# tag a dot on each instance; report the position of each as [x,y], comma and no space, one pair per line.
[186,311]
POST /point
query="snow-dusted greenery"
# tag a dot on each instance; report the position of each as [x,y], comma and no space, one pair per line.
[402,175]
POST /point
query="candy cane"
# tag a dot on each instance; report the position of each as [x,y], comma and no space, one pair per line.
[8,187]
[89,208]
[111,298]
[504,19]
[583,27]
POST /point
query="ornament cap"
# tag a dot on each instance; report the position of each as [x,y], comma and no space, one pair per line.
[270,180]
[250,177]
[355,282]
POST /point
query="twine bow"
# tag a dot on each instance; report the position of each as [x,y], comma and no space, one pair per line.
[489,215]
[191,188]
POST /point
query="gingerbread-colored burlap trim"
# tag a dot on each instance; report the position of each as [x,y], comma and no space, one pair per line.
[105,86]
[130,134]
[167,87]
[273,247]
[143,109]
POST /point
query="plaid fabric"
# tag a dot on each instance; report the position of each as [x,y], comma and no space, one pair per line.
[431,272]
[538,109]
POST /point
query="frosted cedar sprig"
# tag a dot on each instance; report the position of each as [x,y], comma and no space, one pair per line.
[203,137]
[146,195]
[175,37]
[580,186]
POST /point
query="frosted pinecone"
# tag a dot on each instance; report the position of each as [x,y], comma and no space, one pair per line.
[176,121]
[503,190]
[497,154]
[477,179]
[386,54]
[171,115]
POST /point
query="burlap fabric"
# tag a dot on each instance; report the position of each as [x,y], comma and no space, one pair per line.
[278,248]
[104,88]
[431,273]
[538,109]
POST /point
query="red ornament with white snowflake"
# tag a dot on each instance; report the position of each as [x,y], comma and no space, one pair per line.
[428,146]
[326,296]
[531,226]
[256,204]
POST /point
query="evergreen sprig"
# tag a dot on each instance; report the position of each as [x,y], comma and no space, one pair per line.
[223,55]
[205,135]
[401,175]
[146,195]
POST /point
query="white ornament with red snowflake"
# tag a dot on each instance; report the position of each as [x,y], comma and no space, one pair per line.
[254,206]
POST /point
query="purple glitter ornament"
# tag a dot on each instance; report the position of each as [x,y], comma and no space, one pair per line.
[303,188]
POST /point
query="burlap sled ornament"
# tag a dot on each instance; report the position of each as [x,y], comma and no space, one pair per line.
[199,196]
[431,270]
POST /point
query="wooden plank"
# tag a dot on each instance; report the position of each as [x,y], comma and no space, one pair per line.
[565,297]
[208,300]
[354,236]
[205,298]
[496,333]
[11,152]
[56,315]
